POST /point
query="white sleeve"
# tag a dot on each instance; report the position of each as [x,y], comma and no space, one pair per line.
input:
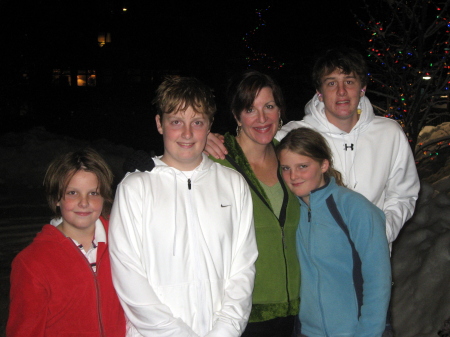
[232,319]
[139,300]
[402,189]
[289,127]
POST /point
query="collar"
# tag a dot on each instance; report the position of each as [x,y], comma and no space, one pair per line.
[100,232]
[315,116]
[320,194]
[203,166]
[238,160]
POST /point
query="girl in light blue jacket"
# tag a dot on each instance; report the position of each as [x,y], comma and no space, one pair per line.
[341,245]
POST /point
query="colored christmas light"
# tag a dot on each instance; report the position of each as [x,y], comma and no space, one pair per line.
[401,56]
[259,58]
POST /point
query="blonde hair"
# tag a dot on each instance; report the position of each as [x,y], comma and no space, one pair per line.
[179,93]
[310,143]
[62,169]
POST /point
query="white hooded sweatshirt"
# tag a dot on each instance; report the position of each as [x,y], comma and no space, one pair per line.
[183,251]
[374,158]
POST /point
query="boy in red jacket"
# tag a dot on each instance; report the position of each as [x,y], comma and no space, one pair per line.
[61,283]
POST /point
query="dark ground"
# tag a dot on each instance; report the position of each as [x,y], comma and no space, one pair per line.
[23,212]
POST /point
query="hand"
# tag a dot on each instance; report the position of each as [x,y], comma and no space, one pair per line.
[214,146]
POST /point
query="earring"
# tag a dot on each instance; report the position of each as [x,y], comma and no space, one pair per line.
[320,95]
[238,130]
[280,124]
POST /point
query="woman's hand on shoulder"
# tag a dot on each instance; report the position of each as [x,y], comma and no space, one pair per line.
[214,146]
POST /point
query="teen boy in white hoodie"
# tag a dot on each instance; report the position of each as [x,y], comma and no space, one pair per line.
[371,152]
[182,241]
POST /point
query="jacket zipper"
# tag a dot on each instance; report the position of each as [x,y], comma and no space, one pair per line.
[318,292]
[97,291]
[199,286]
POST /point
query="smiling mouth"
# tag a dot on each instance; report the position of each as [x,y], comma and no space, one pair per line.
[343,102]
[186,144]
[262,129]
[83,213]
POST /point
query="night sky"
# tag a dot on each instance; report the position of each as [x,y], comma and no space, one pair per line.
[192,38]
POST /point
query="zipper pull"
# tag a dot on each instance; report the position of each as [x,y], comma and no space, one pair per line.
[189,183]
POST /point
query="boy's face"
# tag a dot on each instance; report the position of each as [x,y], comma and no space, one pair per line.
[341,94]
[81,204]
[184,134]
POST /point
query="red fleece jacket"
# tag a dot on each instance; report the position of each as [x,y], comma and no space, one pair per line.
[54,291]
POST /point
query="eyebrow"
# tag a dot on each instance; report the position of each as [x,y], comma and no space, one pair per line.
[334,78]
[273,101]
[195,118]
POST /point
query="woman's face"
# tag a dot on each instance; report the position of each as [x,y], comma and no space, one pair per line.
[260,122]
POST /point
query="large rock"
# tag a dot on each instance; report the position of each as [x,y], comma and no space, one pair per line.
[421,266]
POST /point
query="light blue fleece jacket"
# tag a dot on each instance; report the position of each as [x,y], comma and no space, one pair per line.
[329,304]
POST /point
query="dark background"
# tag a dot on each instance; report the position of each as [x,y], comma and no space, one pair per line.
[150,40]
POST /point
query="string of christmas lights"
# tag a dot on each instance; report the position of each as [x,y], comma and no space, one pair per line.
[256,56]
[434,152]
[409,52]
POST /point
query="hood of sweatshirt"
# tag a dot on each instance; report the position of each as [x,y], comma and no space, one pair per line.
[315,116]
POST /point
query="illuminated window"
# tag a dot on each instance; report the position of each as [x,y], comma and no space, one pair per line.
[86,78]
[61,77]
[103,38]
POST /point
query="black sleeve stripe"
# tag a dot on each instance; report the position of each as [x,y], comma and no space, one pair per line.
[358,281]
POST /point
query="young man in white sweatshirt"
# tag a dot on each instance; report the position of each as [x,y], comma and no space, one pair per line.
[182,240]
[371,152]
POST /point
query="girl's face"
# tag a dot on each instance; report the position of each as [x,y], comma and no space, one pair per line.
[81,204]
[260,122]
[302,174]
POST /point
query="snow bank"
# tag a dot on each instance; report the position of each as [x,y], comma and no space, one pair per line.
[421,265]
[26,156]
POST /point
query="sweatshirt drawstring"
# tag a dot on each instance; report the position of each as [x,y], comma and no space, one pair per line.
[174,240]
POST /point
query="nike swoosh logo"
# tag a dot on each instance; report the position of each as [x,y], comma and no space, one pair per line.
[224,205]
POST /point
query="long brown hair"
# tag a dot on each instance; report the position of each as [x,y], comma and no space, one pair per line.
[310,143]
